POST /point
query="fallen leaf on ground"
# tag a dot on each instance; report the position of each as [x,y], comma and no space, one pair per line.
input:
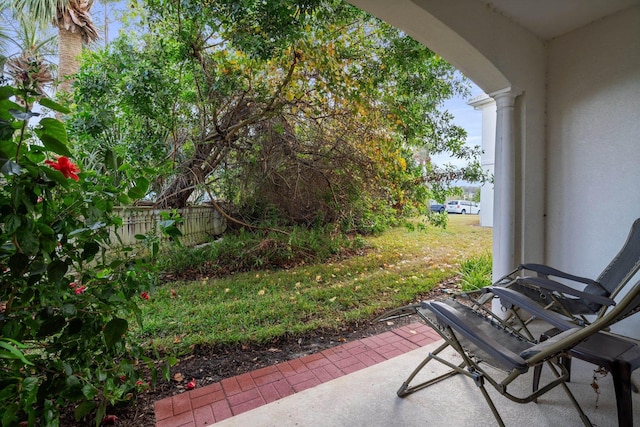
[109,419]
[178,377]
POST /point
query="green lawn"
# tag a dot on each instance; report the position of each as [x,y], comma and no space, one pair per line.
[262,305]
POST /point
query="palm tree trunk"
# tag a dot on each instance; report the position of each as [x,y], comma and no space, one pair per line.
[69,49]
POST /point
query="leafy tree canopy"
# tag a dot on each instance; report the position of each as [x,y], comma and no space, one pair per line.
[312,107]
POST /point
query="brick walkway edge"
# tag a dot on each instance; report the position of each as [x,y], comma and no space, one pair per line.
[232,396]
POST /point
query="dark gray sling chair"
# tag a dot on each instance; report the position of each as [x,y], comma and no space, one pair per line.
[584,296]
[482,339]
[592,298]
[615,353]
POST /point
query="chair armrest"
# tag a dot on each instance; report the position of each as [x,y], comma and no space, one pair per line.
[550,346]
[550,271]
[552,285]
[449,316]
[526,303]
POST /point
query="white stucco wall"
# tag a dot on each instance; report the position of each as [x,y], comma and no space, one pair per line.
[593,142]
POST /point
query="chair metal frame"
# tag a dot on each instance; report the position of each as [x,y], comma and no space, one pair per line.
[617,354]
[478,346]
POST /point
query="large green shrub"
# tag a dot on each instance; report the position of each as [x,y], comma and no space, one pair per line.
[64,301]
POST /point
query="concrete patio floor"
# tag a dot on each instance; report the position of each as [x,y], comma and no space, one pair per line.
[359,395]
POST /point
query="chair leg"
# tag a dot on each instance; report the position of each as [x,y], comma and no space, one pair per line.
[622,384]
[494,410]
[406,389]
[537,371]
[568,392]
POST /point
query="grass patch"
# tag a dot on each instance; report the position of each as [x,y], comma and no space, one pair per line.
[260,306]
[475,272]
[244,251]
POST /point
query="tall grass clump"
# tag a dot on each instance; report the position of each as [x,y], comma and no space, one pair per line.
[476,272]
[256,250]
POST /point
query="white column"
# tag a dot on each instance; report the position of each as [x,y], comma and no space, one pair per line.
[504,183]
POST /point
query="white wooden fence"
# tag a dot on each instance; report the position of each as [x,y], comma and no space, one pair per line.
[200,224]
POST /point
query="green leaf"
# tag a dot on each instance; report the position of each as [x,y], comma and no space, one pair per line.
[56,270]
[89,250]
[6,131]
[73,390]
[53,135]
[114,330]
[172,231]
[45,229]
[89,391]
[140,189]
[6,92]
[110,161]
[18,263]
[83,409]
[9,418]
[155,248]
[29,242]
[68,310]
[46,102]
[56,176]
[12,352]
[12,223]
[124,199]
[30,387]
[5,107]
[102,411]
[37,267]
[51,326]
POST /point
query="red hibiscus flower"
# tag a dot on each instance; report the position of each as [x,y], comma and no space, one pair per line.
[144,296]
[65,166]
[80,290]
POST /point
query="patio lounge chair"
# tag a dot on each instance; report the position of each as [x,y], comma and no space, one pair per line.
[593,297]
[482,339]
[615,353]
[584,296]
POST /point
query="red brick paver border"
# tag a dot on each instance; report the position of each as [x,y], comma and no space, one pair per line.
[232,396]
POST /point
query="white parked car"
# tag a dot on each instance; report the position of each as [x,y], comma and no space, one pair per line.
[463,207]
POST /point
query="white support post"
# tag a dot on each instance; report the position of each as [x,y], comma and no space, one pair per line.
[504,183]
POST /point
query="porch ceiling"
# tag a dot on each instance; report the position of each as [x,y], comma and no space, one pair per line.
[552,18]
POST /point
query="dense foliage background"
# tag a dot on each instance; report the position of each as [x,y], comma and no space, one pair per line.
[310,114]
